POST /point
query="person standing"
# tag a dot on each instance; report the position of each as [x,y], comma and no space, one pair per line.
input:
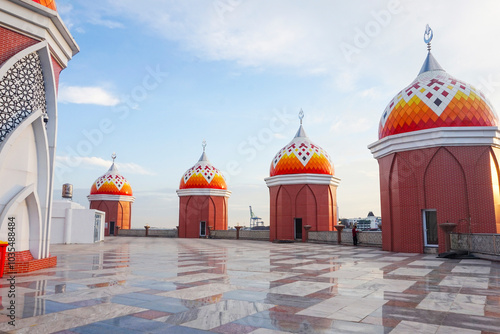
[355,234]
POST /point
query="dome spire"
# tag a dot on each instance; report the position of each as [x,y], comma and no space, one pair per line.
[301,132]
[428,34]
[113,167]
[203,155]
[203,175]
[430,63]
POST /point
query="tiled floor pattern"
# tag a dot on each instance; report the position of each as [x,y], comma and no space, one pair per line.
[157,285]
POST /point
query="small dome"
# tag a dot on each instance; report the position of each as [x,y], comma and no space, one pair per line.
[301,156]
[203,175]
[47,3]
[436,99]
[111,183]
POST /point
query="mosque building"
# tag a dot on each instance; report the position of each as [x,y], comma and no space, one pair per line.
[438,154]
[35,47]
[303,189]
[112,194]
[203,200]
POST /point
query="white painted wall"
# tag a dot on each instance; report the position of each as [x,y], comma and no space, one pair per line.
[72,223]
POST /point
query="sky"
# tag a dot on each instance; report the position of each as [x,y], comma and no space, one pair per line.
[155,78]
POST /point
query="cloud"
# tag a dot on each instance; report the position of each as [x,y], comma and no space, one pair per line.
[101,164]
[279,136]
[106,23]
[351,124]
[133,168]
[284,35]
[87,95]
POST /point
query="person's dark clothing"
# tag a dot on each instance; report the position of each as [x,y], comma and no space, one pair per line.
[355,236]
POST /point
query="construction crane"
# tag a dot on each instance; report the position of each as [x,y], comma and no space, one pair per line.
[254,220]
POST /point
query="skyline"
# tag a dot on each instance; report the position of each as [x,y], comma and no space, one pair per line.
[152,84]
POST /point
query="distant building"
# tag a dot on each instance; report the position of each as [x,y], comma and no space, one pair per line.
[370,222]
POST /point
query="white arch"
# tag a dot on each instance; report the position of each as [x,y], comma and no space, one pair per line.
[45,143]
[29,195]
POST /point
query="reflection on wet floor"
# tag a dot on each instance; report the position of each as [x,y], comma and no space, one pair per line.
[154,285]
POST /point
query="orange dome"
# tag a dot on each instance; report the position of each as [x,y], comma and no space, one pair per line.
[47,3]
[301,156]
[111,183]
[436,99]
[203,175]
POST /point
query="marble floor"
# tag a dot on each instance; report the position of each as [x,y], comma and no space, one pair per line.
[160,285]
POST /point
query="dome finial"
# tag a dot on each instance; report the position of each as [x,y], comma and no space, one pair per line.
[428,36]
[301,115]
[113,156]
[204,145]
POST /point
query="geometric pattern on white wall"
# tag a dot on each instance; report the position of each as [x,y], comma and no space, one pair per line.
[22,91]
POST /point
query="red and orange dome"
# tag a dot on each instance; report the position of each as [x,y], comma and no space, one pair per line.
[203,176]
[47,3]
[301,156]
[436,99]
[111,183]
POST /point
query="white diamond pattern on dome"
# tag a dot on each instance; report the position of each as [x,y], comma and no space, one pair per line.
[302,148]
[116,179]
[202,168]
[435,90]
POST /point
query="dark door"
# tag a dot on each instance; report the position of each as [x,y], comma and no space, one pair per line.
[298,228]
[111,228]
[203,229]
[430,228]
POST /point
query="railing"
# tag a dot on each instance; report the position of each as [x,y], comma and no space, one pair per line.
[483,243]
[244,234]
[369,238]
[140,232]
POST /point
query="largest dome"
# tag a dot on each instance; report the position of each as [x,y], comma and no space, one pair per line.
[47,3]
[203,176]
[301,156]
[435,99]
[111,183]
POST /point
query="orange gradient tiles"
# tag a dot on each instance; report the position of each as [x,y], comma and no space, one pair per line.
[199,181]
[109,188]
[301,156]
[203,175]
[292,165]
[436,99]
[47,3]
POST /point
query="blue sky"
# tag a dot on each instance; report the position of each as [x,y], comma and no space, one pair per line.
[154,78]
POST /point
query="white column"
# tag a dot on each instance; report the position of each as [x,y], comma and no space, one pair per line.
[67,225]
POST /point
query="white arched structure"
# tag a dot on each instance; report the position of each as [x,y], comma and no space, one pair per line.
[28,120]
